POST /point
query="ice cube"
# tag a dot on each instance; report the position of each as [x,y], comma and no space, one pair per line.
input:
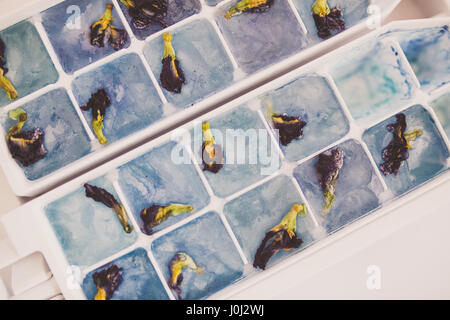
[30,67]
[357,191]
[177,10]
[311,98]
[139,279]
[155,178]
[258,40]
[254,213]
[64,136]
[205,64]
[442,108]
[427,157]
[88,231]
[135,103]
[380,77]
[207,242]
[68,27]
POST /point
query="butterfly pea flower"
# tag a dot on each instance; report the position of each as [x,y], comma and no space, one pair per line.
[107,281]
[280,237]
[328,167]
[103,196]
[326,19]
[212,153]
[248,6]
[179,262]
[98,103]
[5,83]
[156,214]
[172,77]
[27,147]
[397,150]
[102,28]
[144,12]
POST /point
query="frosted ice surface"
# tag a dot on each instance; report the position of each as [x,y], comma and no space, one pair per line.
[428,52]
[88,231]
[258,40]
[30,66]
[250,155]
[140,281]
[373,80]
[311,98]
[177,10]
[213,2]
[254,213]
[135,103]
[357,191]
[353,11]
[65,138]
[68,27]
[427,157]
[154,178]
[206,240]
[205,64]
[442,108]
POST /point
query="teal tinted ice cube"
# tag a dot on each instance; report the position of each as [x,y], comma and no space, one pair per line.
[30,67]
[155,178]
[358,188]
[373,79]
[68,27]
[428,52]
[177,10]
[207,242]
[135,103]
[65,138]
[353,11]
[254,213]
[250,155]
[311,98]
[258,40]
[139,279]
[88,231]
[204,61]
[428,155]
[213,2]
[442,108]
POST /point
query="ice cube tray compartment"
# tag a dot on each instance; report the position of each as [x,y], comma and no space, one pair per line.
[216,55]
[229,209]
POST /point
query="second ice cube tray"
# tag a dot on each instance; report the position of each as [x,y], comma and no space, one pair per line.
[51,52]
[257,186]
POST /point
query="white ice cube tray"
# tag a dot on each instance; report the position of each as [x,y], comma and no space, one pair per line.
[29,230]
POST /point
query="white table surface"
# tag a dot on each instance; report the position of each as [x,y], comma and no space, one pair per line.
[413,258]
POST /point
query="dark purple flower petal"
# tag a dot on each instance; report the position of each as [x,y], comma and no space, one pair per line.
[107,281]
[289,127]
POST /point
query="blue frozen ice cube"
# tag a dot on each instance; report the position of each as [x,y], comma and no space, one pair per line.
[135,103]
[88,231]
[139,279]
[204,61]
[64,136]
[373,79]
[258,40]
[68,27]
[249,152]
[353,11]
[357,191]
[177,10]
[311,98]
[428,52]
[254,213]
[428,155]
[442,108]
[207,242]
[155,178]
[30,66]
